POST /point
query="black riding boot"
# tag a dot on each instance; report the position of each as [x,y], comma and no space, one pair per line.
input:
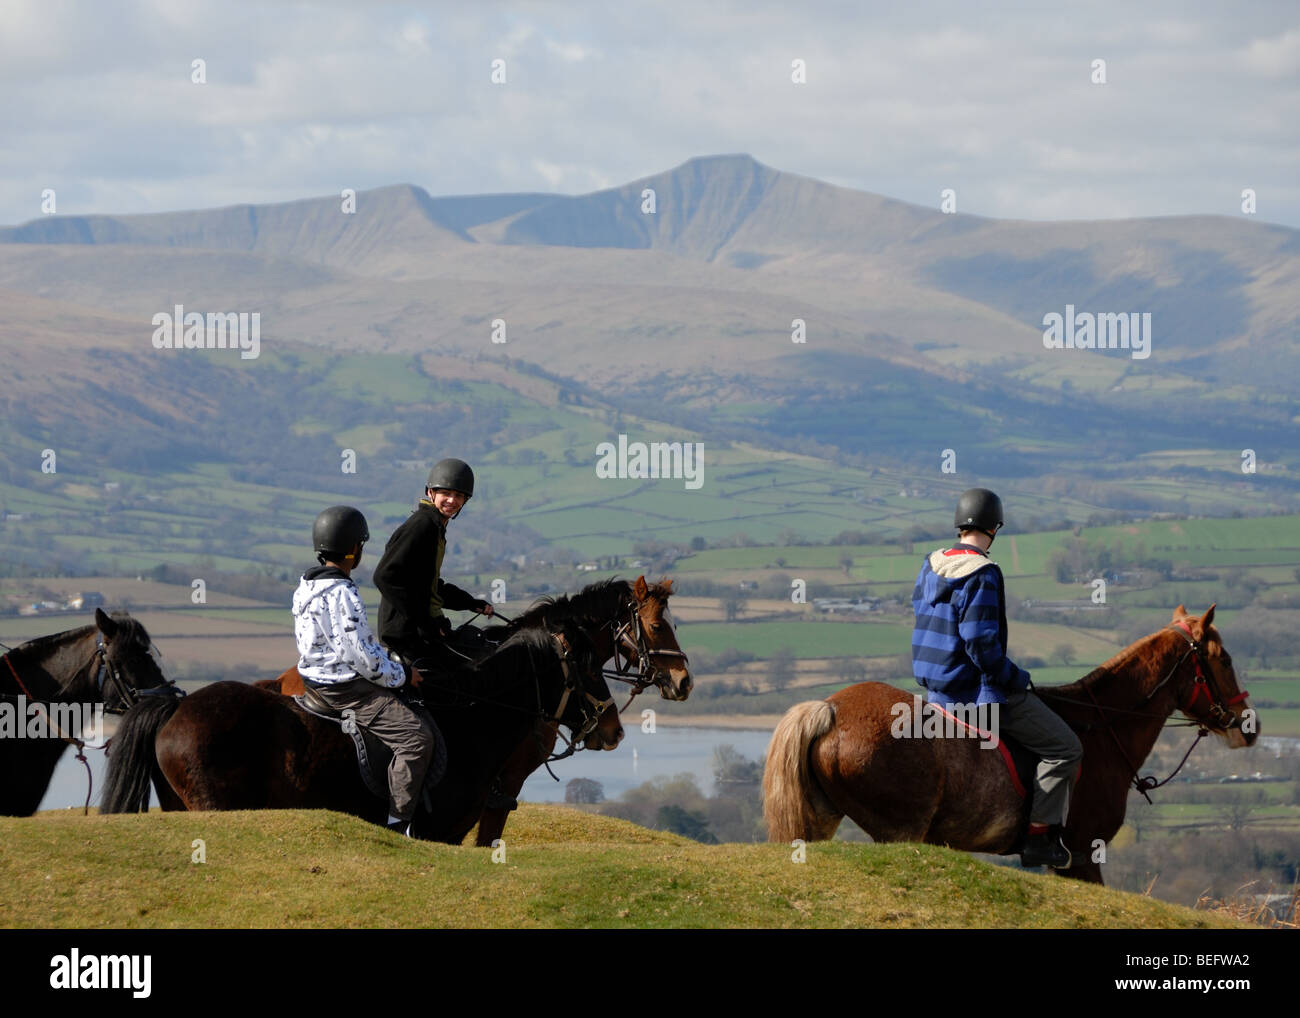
[1046,850]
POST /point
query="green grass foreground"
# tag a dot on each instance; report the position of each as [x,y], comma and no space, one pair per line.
[562,868]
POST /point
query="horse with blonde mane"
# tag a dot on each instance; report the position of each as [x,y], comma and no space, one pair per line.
[842,756]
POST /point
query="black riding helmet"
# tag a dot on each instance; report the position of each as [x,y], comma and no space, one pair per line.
[978,509]
[452,475]
[337,531]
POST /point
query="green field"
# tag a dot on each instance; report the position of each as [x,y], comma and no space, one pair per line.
[806,639]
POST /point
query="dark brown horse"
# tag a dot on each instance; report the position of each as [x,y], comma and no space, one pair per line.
[840,757]
[628,623]
[107,663]
[235,746]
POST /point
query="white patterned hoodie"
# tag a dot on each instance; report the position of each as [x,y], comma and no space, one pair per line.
[335,644]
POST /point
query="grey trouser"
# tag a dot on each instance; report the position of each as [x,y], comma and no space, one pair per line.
[1025,718]
[380,712]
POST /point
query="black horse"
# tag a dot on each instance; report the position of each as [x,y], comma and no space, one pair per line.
[629,623]
[237,746]
[66,675]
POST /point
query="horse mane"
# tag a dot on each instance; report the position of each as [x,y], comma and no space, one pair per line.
[135,631]
[532,642]
[1078,689]
[600,600]
[42,645]
[596,600]
[536,637]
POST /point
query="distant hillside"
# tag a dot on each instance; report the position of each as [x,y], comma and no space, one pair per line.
[853,264]
[920,332]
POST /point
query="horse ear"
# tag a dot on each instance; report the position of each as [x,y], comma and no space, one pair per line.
[1179,612]
[667,584]
[640,589]
[1208,617]
[106,625]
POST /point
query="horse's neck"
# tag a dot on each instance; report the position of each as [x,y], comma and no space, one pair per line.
[29,763]
[53,673]
[602,640]
[1124,689]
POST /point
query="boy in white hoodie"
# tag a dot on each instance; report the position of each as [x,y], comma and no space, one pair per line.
[344,664]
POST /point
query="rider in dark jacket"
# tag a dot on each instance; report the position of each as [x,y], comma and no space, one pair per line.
[411,620]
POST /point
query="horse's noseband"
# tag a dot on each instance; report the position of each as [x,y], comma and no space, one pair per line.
[1204,686]
[629,637]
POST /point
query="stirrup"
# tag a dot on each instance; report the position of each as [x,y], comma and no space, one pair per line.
[402,827]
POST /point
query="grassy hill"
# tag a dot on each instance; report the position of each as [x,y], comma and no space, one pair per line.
[562,868]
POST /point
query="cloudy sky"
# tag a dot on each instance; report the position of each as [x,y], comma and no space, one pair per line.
[996,101]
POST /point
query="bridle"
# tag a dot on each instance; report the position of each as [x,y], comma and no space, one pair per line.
[106,671]
[129,694]
[592,709]
[629,641]
[592,706]
[1204,686]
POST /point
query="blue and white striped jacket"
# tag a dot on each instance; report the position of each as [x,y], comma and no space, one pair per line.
[959,643]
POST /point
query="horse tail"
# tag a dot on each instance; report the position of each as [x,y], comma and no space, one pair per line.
[793,803]
[132,759]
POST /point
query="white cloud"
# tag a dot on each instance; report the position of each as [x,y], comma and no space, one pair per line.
[303,99]
[569,52]
[1276,57]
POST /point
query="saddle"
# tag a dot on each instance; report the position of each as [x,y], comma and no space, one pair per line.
[373,756]
[1021,765]
[1019,762]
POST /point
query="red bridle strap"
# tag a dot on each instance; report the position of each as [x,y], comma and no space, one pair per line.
[1202,686]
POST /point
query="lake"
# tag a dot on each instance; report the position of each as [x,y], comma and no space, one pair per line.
[642,756]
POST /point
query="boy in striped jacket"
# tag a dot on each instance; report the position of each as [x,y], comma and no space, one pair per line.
[959,654]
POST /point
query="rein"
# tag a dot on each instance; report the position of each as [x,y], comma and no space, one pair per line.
[1203,685]
[78,744]
[106,671]
[566,657]
[592,720]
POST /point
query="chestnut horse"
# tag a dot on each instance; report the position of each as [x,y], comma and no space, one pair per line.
[235,746]
[109,663]
[837,757]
